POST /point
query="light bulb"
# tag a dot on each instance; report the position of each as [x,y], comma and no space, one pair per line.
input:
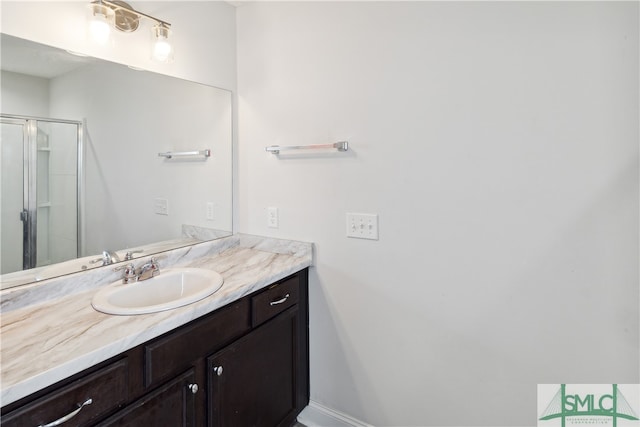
[100,22]
[100,30]
[162,50]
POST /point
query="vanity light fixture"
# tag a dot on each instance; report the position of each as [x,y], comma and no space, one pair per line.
[120,15]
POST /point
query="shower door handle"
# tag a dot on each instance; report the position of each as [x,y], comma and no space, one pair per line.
[28,240]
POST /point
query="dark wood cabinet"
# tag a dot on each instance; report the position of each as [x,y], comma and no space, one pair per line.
[246,364]
[252,381]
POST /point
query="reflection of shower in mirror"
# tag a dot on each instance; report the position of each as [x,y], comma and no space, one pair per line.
[40,163]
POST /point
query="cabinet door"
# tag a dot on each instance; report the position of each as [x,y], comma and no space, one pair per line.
[172,404]
[252,382]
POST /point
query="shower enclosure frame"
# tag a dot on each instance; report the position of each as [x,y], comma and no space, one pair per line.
[29,214]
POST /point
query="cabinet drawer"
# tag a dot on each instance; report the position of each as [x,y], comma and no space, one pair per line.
[276,299]
[107,389]
[175,351]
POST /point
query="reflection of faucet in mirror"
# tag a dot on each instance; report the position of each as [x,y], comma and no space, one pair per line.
[108,258]
[129,255]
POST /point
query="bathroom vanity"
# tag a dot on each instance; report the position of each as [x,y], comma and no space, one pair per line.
[237,358]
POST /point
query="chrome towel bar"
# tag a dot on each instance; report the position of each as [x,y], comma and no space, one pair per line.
[170,154]
[340,146]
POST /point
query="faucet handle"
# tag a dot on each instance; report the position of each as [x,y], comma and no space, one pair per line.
[154,265]
[97,260]
[129,255]
[129,273]
[154,261]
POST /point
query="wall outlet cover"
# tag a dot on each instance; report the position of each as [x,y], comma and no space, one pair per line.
[210,212]
[272,217]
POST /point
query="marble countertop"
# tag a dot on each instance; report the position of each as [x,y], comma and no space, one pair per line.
[45,342]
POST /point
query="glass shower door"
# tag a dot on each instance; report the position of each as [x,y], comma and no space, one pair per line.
[40,163]
[14,203]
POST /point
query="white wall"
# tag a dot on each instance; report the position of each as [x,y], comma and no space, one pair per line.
[498,142]
[24,95]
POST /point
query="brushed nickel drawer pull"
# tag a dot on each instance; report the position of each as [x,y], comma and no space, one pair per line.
[193,388]
[280,301]
[218,370]
[68,416]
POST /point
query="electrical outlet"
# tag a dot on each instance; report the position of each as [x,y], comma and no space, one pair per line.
[209,214]
[161,206]
[272,217]
[362,226]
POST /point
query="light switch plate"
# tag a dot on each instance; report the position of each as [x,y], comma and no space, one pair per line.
[362,226]
[161,206]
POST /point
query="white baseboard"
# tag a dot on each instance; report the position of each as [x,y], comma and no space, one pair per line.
[317,415]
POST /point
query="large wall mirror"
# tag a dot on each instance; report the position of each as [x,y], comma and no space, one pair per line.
[81,167]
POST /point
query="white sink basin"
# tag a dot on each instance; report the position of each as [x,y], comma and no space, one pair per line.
[171,288]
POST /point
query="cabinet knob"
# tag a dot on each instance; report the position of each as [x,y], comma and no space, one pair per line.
[218,370]
[193,388]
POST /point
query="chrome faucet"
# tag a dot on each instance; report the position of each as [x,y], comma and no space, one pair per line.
[148,270]
[108,258]
[144,272]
